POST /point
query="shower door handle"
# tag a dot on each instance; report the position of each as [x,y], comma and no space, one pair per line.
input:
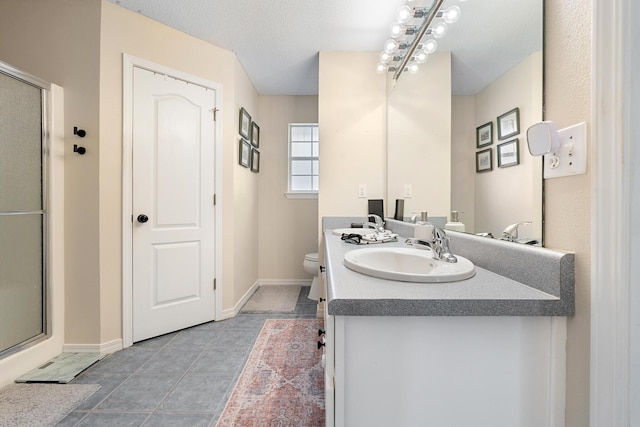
[142,218]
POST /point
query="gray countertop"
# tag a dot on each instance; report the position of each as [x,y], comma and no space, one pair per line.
[486,294]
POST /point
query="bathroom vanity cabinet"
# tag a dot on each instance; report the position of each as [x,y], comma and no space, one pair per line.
[445,371]
[487,351]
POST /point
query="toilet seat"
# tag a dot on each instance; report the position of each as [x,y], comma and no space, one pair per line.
[311,257]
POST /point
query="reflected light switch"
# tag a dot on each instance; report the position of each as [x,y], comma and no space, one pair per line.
[362,191]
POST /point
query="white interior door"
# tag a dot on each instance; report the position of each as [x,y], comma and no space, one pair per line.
[173,208]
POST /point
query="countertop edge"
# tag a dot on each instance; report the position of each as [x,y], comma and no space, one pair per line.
[554,270]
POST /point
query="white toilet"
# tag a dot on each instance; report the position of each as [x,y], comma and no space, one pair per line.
[311,266]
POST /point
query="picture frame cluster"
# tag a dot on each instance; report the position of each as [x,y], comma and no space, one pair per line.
[249,143]
[508,152]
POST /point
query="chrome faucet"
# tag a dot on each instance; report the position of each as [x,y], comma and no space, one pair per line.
[439,245]
[511,232]
[378,223]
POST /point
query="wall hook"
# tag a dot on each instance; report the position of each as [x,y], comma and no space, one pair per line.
[80,132]
[79,150]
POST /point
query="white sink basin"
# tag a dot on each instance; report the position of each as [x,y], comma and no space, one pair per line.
[407,265]
[360,231]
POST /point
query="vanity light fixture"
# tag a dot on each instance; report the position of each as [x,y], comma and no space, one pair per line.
[450,15]
[413,36]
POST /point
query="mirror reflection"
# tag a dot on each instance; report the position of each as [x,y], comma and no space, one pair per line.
[456,130]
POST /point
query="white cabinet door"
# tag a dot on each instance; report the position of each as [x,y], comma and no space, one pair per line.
[449,371]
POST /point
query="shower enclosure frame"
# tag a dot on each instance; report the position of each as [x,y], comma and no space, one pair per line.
[45,136]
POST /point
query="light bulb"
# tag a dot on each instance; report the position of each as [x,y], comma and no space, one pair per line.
[385,57]
[439,30]
[397,30]
[390,46]
[452,14]
[421,57]
[429,46]
[381,68]
[404,14]
[413,68]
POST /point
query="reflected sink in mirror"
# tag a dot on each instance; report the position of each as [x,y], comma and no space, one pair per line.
[407,265]
[360,231]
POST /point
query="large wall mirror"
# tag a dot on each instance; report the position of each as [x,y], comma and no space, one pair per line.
[456,131]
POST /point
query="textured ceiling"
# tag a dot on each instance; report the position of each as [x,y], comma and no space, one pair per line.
[277,41]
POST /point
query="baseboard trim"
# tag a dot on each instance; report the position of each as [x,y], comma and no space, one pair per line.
[284,282]
[105,348]
[233,312]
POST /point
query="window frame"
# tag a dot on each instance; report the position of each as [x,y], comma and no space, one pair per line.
[300,194]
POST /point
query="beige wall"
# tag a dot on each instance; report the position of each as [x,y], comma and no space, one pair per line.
[568,200]
[59,41]
[463,159]
[245,199]
[418,139]
[352,119]
[287,227]
[504,195]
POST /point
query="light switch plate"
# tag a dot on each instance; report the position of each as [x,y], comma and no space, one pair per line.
[362,191]
[408,191]
[571,158]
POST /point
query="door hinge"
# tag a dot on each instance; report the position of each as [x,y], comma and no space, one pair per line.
[214,200]
[214,284]
[215,113]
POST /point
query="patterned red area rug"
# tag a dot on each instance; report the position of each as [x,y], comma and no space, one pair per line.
[282,383]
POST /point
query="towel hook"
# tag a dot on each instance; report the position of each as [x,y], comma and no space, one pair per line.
[81,133]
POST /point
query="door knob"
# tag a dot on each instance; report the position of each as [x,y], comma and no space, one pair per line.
[143,218]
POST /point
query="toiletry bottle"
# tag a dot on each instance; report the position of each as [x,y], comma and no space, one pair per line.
[454,224]
[424,218]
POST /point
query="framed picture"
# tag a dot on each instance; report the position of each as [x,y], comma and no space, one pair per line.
[245,124]
[508,154]
[255,135]
[244,153]
[255,160]
[509,124]
[483,160]
[484,135]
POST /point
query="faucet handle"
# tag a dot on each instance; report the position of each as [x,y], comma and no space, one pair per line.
[438,233]
[378,223]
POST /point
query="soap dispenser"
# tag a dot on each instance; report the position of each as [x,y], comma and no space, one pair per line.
[455,224]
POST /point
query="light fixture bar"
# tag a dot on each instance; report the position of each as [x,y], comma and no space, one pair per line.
[416,41]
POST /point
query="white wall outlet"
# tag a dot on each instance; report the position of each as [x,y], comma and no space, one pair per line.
[362,191]
[571,158]
[408,191]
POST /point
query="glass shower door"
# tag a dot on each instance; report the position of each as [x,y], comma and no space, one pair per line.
[22,214]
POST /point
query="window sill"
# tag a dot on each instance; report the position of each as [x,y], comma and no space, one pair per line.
[301,195]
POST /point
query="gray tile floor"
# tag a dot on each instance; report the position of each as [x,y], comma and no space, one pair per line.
[179,379]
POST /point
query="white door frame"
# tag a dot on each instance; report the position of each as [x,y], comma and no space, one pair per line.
[615,275]
[128,64]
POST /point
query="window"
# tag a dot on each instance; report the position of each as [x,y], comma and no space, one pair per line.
[303,160]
